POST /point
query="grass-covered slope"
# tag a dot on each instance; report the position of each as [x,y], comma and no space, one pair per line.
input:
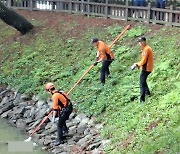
[60,51]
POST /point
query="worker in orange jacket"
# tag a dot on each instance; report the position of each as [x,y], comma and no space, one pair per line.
[146,65]
[62,108]
[105,56]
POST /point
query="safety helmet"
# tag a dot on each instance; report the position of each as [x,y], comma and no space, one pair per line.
[49,86]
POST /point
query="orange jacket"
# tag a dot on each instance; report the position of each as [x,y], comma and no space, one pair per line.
[59,101]
[104,51]
[147,61]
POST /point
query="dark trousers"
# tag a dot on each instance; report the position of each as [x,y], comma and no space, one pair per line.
[139,2]
[105,70]
[160,4]
[61,125]
[143,85]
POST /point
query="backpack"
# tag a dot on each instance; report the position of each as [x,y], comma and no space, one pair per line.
[68,101]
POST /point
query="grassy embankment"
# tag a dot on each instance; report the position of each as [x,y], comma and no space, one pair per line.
[49,55]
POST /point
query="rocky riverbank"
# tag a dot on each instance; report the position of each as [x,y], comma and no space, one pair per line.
[26,112]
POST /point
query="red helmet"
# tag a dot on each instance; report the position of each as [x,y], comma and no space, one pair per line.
[49,86]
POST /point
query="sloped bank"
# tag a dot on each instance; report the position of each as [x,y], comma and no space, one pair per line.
[26,112]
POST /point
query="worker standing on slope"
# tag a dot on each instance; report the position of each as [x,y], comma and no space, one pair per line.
[62,108]
[146,65]
[105,56]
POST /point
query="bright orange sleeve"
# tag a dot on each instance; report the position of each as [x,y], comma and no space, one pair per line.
[55,102]
[144,58]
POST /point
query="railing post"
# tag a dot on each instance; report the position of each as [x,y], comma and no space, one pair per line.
[31,5]
[70,6]
[9,3]
[88,9]
[149,13]
[170,16]
[82,6]
[106,9]
[60,5]
[126,13]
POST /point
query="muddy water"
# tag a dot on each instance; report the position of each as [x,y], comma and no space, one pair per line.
[9,134]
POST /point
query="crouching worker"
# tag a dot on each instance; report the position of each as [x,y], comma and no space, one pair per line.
[62,108]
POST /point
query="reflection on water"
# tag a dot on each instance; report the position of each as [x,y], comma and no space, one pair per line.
[11,134]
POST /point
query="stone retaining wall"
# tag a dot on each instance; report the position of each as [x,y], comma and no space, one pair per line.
[26,112]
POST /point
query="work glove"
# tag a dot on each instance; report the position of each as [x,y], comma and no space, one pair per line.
[135,65]
[95,63]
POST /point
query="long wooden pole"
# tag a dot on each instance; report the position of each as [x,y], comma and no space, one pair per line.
[90,68]
[118,37]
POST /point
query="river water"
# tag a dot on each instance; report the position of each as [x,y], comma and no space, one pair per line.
[9,135]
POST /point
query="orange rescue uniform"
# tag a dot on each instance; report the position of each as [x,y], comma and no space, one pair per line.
[104,51]
[58,99]
[147,61]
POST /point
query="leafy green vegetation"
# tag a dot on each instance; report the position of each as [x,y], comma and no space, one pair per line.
[132,127]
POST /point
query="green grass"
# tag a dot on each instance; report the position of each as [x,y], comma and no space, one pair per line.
[132,127]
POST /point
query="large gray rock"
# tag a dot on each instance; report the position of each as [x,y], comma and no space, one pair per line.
[104,144]
[25,97]
[87,131]
[47,140]
[14,117]
[41,141]
[77,137]
[35,124]
[72,115]
[80,116]
[19,110]
[72,130]
[4,92]
[94,145]
[71,141]
[48,126]
[28,121]
[49,102]
[56,150]
[40,113]
[17,99]
[69,124]
[75,122]
[82,128]
[33,112]
[39,136]
[83,122]
[20,123]
[93,132]
[27,113]
[5,114]
[82,141]
[6,107]
[4,101]
[40,103]
[53,128]
[30,103]
[23,104]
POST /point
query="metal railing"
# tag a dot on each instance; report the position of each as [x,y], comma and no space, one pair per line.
[125,12]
